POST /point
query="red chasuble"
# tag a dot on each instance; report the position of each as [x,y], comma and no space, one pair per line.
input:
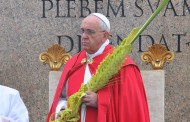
[123,100]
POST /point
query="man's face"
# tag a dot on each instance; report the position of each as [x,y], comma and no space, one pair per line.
[92,36]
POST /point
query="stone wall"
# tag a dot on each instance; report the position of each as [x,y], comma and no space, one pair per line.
[28,28]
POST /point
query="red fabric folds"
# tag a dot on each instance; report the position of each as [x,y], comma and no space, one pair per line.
[123,100]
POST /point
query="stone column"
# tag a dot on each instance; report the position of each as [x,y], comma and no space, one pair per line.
[54,77]
[154,82]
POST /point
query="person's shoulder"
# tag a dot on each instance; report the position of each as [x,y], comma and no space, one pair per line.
[128,61]
[8,90]
[76,56]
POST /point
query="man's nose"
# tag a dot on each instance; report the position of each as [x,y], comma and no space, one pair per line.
[84,35]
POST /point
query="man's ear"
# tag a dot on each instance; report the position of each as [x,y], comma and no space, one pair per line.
[106,35]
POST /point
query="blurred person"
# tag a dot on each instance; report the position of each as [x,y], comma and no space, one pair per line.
[12,108]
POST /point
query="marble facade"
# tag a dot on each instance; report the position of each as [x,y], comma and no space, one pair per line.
[28,28]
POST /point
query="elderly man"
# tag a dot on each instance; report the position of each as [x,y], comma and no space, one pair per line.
[12,108]
[123,101]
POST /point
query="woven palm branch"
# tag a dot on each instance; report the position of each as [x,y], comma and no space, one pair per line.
[106,70]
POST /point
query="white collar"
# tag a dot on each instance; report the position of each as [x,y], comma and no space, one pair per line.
[100,50]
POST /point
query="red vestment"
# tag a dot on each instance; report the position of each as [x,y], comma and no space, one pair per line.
[123,100]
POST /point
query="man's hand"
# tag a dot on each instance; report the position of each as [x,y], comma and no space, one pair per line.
[90,99]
